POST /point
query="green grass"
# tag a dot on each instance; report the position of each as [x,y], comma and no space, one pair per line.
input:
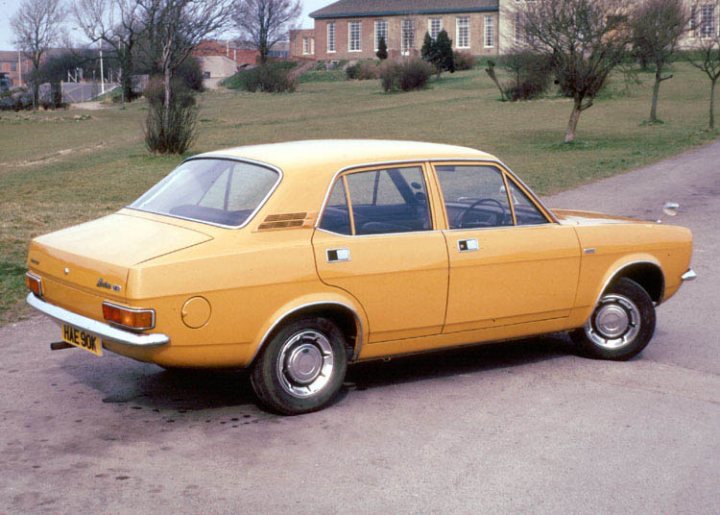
[57,170]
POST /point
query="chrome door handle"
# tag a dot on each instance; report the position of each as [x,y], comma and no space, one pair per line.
[470,245]
[336,255]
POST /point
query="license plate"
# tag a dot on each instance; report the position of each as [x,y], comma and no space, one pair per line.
[82,339]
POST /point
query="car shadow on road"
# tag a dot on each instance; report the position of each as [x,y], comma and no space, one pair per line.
[466,360]
[121,381]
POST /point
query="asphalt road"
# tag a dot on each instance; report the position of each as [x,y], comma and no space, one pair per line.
[521,427]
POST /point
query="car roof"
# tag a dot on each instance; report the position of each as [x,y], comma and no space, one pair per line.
[332,155]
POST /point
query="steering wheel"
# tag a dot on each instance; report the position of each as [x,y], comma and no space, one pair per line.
[462,220]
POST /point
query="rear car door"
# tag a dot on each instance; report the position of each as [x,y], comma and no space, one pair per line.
[509,262]
[377,240]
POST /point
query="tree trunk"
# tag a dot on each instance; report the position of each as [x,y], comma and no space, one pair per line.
[166,101]
[572,123]
[656,92]
[712,103]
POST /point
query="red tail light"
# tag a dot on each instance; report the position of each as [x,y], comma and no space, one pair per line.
[132,318]
[34,283]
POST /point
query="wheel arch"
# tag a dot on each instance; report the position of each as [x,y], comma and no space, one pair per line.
[347,315]
[646,271]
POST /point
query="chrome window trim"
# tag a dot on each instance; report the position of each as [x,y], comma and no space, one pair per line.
[279,320]
[223,157]
[432,161]
[133,310]
[105,331]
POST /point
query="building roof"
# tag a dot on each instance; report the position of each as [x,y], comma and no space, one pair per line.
[355,9]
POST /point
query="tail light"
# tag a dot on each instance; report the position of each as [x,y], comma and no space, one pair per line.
[34,283]
[132,318]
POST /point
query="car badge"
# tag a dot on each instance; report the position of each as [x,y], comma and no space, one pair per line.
[102,283]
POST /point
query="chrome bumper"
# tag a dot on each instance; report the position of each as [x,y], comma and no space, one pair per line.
[105,331]
[690,275]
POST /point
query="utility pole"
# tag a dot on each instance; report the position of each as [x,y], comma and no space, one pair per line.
[102,75]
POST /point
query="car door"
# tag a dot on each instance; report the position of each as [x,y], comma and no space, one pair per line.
[376,239]
[509,262]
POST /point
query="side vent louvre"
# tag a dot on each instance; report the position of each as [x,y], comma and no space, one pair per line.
[287,221]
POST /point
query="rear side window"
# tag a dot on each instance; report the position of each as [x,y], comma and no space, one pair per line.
[389,201]
[336,217]
[383,201]
[215,191]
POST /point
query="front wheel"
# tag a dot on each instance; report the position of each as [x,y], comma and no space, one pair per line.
[621,325]
[302,367]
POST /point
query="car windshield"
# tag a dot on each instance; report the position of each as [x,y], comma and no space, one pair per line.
[215,191]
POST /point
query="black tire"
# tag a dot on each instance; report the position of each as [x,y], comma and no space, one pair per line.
[621,325]
[301,368]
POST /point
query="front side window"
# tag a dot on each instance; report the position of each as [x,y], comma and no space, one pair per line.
[489,32]
[215,191]
[381,32]
[526,212]
[331,36]
[434,27]
[355,29]
[408,36]
[475,196]
[463,32]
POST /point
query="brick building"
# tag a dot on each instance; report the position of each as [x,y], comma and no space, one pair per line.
[351,29]
[13,64]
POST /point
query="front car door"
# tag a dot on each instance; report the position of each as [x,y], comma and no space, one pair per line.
[376,239]
[510,263]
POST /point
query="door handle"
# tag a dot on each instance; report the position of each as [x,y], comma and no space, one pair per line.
[336,255]
[469,245]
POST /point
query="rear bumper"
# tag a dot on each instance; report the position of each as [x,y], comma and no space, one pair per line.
[105,331]
[690,275]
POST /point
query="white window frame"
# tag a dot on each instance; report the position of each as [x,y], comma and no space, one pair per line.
[384,31]
[708,21]
[518,29]
[489,28]
[331,42]
[458,38]
[407,35]
[354,29]
[306,45]
[434,34]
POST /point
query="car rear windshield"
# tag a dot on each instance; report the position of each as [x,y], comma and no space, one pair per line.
[215,191]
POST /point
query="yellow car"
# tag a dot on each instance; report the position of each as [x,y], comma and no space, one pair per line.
[298,258]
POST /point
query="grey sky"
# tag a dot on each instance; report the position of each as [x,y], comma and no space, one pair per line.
[8,8]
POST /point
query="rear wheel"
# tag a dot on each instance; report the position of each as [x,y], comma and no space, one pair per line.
[621,325]
[302,367]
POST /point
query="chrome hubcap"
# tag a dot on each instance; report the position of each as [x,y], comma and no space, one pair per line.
[305,364]
[615,322]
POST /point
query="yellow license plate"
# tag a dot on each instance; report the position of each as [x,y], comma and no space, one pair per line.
[82,339]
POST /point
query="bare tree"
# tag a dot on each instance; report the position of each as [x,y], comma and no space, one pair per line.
[265,22]
[706,57]
[586,40]
[173,28]
[114,23]
[36,25]
[657,26]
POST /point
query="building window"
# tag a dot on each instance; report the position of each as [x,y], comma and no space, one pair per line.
[408,36]
[708,29]
[331,37]
[434,27]
[354,32]
[381,32]
[489,32]
[307,46]
[463,32]
[13,67]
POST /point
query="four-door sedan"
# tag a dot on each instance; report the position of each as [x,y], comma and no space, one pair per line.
[296,259]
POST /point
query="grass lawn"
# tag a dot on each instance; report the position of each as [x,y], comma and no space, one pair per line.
[58,170]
